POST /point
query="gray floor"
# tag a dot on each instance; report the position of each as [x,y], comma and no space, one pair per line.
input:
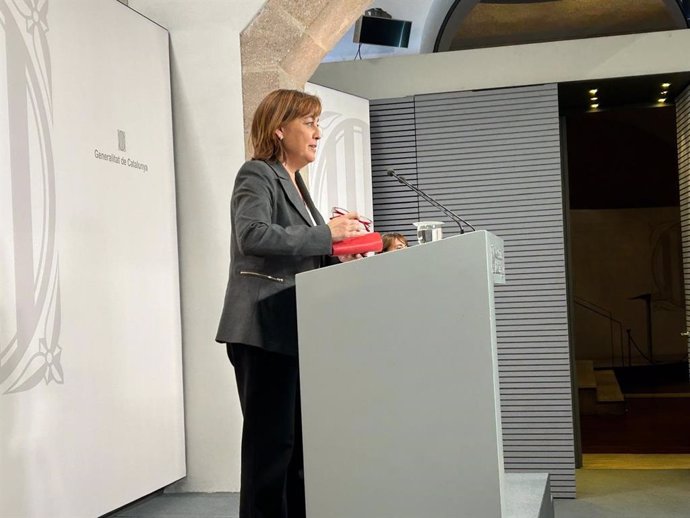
[183,505]
[628,494]
[601,494]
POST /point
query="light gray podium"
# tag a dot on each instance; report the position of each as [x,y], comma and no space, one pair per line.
[399,381]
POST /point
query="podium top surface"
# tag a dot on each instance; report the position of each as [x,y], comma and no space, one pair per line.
[481,242]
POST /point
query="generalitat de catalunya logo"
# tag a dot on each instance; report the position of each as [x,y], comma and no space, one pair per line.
[121,144]
[119,159]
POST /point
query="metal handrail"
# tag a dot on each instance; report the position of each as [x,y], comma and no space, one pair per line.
[606,313]
[631,341]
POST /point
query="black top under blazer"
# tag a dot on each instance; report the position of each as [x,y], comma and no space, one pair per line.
[272,239]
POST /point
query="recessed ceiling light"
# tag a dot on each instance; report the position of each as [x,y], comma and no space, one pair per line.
[662,100]
[594,99]
[595,105]
[664,93]
[665,85]
[593,91]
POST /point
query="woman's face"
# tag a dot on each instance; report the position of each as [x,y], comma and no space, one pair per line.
[397,244]
[300,139]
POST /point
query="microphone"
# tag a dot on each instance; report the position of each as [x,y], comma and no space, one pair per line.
[452,215]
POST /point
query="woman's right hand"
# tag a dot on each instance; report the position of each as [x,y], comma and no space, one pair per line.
[345,226]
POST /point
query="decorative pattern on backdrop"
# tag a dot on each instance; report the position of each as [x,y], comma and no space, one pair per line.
[341,174]
[30,324]
[86,183]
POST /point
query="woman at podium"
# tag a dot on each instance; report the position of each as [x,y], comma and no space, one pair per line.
[277,232]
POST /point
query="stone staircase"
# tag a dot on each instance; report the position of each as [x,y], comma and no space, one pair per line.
[598,390]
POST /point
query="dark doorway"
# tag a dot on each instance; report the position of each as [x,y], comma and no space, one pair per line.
[625,266]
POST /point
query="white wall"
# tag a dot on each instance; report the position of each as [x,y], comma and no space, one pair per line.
[555,62]
[90,341]
[209,149]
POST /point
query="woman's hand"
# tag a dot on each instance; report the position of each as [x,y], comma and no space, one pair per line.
[345,226]
[346,258]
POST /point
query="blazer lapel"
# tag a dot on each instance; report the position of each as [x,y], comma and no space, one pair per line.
[290,190]
[307,198]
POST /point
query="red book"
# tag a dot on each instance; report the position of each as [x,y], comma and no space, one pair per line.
[369,242]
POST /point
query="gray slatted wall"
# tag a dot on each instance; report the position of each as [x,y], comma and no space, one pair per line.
[393,146]
[683,132]
[494,158]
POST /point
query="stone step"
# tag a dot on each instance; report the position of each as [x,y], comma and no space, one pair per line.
[610,398]
[584,370]
[608,389]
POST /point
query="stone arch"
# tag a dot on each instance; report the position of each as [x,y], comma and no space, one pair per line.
[286,41]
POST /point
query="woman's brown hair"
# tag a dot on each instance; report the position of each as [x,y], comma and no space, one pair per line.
[276,109]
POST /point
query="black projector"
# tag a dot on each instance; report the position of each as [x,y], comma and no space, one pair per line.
[375,30]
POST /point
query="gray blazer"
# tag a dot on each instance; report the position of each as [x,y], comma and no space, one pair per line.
[272,239]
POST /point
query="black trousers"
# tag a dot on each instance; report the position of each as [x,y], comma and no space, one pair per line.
[272,478]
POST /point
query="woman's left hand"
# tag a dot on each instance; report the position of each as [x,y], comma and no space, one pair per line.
[351,257]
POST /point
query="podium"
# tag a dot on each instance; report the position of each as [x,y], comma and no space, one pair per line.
[399,383]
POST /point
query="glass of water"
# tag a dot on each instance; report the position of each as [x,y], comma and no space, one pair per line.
[428,231]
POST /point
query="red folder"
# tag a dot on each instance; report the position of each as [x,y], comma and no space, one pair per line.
[369,242]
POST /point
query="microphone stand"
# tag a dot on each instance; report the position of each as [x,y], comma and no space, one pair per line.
[457,219]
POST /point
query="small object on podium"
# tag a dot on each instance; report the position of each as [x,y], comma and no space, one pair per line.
[428,231]
[369,242]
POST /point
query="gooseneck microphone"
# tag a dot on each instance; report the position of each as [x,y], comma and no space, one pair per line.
[452,215]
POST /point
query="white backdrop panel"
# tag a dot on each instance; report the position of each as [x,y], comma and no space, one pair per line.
[90,349]
[341,174]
